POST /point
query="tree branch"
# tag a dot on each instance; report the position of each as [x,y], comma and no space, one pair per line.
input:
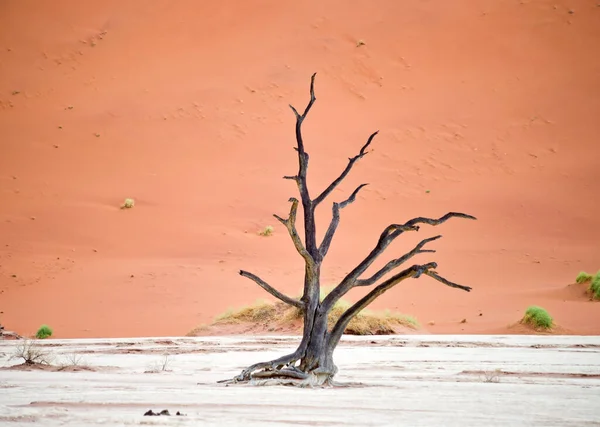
[346,171]
[290,224]
[446,282]
[342,323]
[260,282]
[300,178]
[388,235]
[397,262]
[352,197]
[414,271]
[335,221]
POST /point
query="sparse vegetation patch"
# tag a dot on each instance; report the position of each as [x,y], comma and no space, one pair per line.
[31,353]
[595,286]
[583,277]
[128,204]
[594,281]
[366,322]
[537,317]
[44,332]
[267,231]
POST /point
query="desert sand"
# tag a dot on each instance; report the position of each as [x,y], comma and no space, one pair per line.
[484,107]
[417,380]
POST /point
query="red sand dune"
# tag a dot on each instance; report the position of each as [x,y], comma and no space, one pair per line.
[493,106]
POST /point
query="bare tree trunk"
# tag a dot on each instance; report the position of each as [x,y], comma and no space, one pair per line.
[312,362]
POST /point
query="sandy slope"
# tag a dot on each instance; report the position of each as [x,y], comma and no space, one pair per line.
[492,106]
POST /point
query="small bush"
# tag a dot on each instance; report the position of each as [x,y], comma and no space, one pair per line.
[583,277]
[31,353]
[128,204]
[538,317]
[73,360]
[492,376]
[268,230]
[595,286]
[44,332]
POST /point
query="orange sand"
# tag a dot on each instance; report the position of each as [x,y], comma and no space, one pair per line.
[492,106]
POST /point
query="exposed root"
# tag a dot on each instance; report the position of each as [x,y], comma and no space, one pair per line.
[283,372]
[271,366]
[286,377]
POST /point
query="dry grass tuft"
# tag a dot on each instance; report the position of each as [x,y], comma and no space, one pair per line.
[260,311]
[364,323]
[368,322]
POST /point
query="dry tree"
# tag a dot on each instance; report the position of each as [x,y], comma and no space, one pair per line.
[312,362]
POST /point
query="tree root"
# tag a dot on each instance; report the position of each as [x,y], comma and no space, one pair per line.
[285,377]
[283,372]
[271,366]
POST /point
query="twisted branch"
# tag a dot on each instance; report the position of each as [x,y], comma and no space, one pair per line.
[397,262]
[270,289]
[414,271]
[388,235]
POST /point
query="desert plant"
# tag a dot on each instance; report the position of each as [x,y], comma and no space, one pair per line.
[267,231]
[583,277]
[73,359]
[538,317]
[31,353]
[595,286]
[128,204]
[44,332]
[162,366]
[492,376]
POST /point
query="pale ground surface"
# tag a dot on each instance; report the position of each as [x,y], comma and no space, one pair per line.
[408,380]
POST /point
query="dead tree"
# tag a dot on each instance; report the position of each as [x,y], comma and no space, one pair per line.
[312,362]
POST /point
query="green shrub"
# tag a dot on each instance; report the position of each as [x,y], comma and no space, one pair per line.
[595,286]
[583,277]
[45,331]
[537,317]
